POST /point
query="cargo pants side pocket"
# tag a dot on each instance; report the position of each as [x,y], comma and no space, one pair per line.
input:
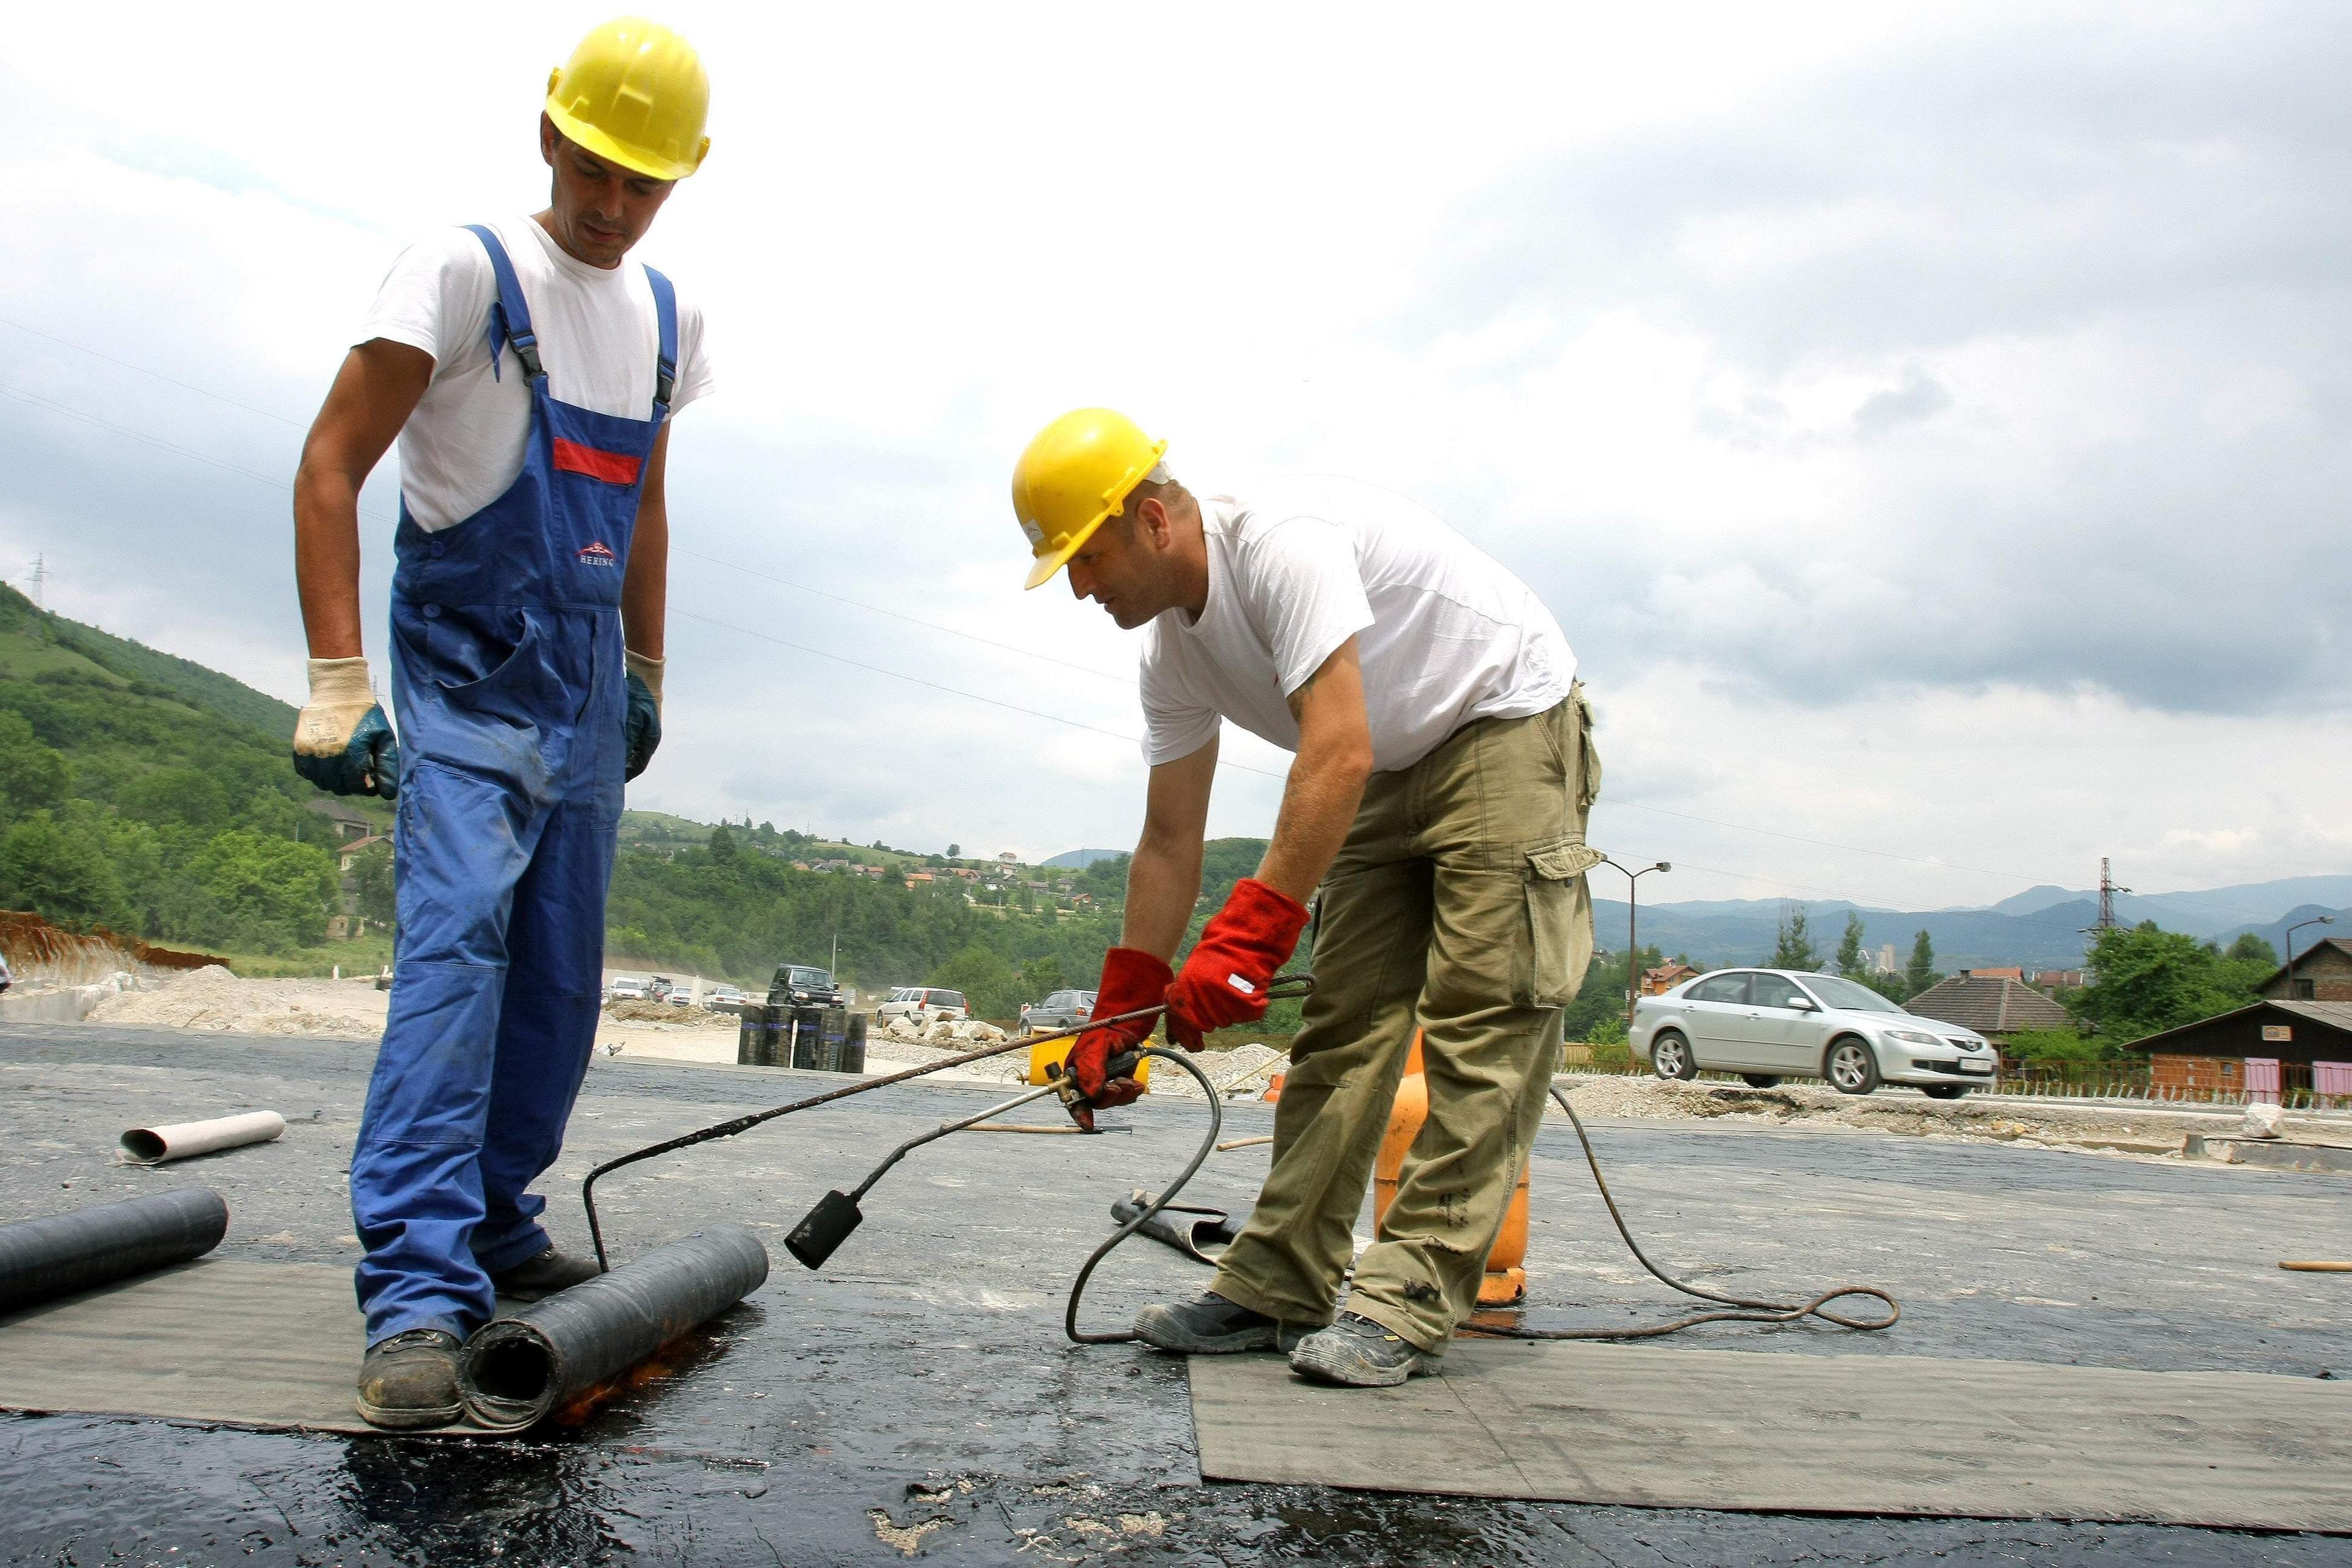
[1556,941]
[1588,784]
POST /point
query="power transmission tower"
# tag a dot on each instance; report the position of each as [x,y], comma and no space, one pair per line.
[40,576]
[2107,891]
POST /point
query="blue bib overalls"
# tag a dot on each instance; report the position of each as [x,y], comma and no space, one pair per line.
[507,672]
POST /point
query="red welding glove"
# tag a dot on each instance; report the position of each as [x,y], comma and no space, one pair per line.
[1224,980]
[1131,978]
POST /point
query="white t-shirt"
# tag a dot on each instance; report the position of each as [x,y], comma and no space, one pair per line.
[1444,633]
[598,341]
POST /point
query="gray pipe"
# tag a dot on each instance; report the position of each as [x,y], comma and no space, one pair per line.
[155,1145]
[518,1371]
[61,1253]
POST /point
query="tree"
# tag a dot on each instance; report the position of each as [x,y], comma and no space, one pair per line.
[32,776]
[272,893]
[955,851]
[2251,949]
[721,845]
[1041,976]
[2145,979]
[1920,972]
[1850,960]
[1793,949]
[371,885]
[60,869]
[989,985]
[1597,1016]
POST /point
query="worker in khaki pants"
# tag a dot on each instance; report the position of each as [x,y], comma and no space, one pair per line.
[1458,904]
[1436,806]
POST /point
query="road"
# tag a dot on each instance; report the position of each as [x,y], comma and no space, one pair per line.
[920,1391]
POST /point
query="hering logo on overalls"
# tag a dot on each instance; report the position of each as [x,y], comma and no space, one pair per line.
[596,553]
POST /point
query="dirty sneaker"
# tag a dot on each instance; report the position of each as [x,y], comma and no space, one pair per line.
[410,1380]
[1211,1325]
[1356,1352]
[544,1276]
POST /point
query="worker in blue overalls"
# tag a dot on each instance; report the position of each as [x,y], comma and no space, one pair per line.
[529,377]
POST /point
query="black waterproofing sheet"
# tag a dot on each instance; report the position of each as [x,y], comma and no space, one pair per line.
[1783,1433]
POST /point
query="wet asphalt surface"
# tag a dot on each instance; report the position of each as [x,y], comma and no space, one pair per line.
[919,1396]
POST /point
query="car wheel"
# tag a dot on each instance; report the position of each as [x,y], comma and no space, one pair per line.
[1850,1066]
[1670,1057]
[1760,1080]
[1943,1090]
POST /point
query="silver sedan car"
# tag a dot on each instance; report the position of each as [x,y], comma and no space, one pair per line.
[1770,1023]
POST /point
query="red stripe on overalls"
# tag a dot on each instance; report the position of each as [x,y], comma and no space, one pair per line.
[613,468]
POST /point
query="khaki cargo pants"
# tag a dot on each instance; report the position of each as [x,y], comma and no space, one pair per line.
[1458,903]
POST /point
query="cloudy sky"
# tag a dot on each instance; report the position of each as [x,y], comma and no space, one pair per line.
[1929,423]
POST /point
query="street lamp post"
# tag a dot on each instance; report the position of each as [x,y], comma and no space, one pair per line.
[2314,921]
[1633,929]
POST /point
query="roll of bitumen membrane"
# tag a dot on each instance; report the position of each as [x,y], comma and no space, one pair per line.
[521,1369]
[61,1253]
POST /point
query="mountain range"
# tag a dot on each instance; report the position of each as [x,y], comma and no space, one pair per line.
[2043,928]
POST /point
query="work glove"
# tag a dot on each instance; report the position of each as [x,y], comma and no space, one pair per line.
[644,719]
[1131,978]
[342,741]
[1224,982]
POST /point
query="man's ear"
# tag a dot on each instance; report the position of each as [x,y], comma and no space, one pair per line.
[1152,519]
[548,138]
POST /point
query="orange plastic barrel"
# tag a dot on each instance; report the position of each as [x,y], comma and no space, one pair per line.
[1506,1279]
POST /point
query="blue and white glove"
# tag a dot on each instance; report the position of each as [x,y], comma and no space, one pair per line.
[644,719]
[342,741]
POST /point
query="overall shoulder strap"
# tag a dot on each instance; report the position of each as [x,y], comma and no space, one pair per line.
[666,367]
[509,313]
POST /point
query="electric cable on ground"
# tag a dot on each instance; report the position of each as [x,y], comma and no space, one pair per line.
[1741,1309]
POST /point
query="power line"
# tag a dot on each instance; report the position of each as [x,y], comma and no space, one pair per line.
[935,686]
[897,616]
[875,609]
[143,370]
[299,425]
[1826,844]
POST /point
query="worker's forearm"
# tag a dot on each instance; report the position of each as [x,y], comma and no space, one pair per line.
[645,591]
[1163,882]
[327,560]
[1318,806]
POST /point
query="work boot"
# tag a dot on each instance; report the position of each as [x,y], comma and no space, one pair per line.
[1356,1352]
[1211,1325]
[411,1380]
[544,1276]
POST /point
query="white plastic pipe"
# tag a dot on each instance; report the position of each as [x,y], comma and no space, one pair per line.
[157,1145]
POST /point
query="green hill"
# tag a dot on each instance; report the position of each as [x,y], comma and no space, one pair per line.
[68,644]
[150,794]
[147,793]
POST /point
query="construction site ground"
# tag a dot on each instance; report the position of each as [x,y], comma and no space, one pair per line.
[918,1397]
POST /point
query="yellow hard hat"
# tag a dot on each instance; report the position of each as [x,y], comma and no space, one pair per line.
[635,93]
[1076,474]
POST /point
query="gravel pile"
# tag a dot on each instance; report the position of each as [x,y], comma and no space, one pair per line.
[2115,1127]
[211,998]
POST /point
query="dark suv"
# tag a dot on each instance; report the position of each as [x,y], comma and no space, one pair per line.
[798,985]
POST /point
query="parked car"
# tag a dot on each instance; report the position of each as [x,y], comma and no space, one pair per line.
[1766,1025]
[924,1004]
[627,988]
[660,987]
[680,996]
[1061,1010]
[800,985]
[724,999]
